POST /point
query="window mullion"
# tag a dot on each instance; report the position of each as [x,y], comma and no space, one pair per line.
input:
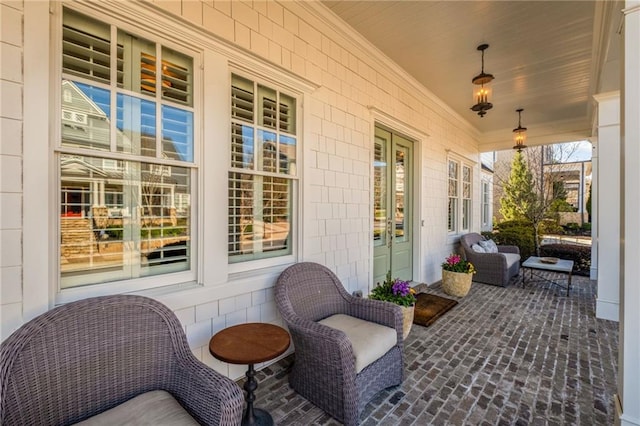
[158,101]
[113,139]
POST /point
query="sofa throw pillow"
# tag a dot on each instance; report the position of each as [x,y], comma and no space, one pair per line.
[489,246]
[478,248]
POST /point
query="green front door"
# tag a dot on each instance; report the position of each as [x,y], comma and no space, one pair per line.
[393,206]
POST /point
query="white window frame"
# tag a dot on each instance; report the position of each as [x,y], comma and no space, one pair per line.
[249,265]
[191,275]
[458,220]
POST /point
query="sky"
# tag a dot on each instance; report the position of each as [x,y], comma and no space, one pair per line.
[583,151]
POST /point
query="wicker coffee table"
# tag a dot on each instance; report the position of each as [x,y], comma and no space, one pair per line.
[561,266]
[250,344]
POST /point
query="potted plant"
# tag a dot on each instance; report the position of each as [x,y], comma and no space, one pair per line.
[457,275]
[397,291]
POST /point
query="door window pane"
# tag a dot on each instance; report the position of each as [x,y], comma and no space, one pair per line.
[400,195]
[380,193]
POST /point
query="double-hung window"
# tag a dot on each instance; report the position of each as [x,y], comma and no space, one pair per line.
[460,190]
[262,171]
[126,159]
[453,192]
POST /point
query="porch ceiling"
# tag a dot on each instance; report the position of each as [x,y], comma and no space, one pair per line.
[548,57]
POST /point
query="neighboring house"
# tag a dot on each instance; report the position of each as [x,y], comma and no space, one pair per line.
[267,131]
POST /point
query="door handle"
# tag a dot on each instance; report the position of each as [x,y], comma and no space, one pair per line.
[389,233]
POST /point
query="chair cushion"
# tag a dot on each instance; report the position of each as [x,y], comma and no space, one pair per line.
[511,258]
[150,408]
[369,340]
[478,248]
[489,246]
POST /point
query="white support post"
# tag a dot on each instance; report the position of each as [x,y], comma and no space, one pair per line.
[607,232]
[628,402]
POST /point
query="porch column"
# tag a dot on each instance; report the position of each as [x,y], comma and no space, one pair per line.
[593,273]
[607,231]
[629,339]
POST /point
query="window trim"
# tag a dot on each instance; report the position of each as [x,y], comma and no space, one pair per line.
[242,267]
[193,275]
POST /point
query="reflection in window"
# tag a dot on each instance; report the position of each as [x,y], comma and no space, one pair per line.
[85,116]
[122,220]
[136,123]
[263,160]
[177,133]
[124,210]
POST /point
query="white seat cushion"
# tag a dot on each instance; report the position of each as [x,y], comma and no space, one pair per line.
[153,408]
[511,258]
[369,340]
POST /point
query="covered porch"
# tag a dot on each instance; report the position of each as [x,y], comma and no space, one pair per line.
[502,356]
[326,94]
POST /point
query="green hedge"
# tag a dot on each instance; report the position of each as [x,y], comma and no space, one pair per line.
[581,255]
[514,233]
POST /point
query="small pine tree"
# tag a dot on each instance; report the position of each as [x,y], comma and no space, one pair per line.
[519,195]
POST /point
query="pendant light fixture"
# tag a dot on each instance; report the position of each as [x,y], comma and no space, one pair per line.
[519,134]
[481,88]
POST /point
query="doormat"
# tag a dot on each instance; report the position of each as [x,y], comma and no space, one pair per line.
[430,307]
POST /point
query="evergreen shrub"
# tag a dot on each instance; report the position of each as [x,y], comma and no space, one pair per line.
[581,255]
[515,233]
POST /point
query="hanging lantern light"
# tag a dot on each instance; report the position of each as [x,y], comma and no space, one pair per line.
[519,134]
[481,88]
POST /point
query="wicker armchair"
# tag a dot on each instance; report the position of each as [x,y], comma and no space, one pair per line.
[83,358]
[324,370]
[492,268]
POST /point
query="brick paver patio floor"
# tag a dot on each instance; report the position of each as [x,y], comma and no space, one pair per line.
[502,356]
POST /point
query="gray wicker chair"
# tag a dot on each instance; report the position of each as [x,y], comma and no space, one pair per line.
[85,357]
[492,268]
[324,370]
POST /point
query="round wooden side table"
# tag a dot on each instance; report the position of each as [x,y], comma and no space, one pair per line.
[249,344]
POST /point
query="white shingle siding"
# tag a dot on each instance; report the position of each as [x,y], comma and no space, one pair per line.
[11,47]
[336,142]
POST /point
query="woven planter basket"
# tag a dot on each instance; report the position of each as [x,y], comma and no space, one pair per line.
[407,319]
[456,283]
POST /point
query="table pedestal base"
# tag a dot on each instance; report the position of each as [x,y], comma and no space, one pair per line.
[254,416]
[260,418]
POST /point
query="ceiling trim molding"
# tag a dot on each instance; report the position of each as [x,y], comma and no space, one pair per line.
[375,58]
[603,30]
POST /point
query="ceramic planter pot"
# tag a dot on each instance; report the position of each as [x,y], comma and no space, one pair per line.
[407,319]
[456,283]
